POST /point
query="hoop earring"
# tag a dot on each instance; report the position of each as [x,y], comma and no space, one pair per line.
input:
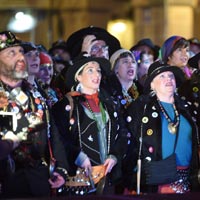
[152,93]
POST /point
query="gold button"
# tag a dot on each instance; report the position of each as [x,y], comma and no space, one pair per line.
[149,132]
[195,89]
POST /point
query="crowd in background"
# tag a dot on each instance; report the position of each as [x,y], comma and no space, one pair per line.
[87,101]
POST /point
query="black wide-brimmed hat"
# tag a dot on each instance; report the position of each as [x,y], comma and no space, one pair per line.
[79,62]
[8,39]
[193,61]
[74,41]
[157,68]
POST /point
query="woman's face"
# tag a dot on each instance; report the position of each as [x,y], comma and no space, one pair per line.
[179,57]
[164,84]
[126,69]
[45,73]
[90,78]
[33,61]
[146,61]
[58,67]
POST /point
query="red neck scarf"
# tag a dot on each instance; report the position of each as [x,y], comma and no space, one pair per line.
[93,101]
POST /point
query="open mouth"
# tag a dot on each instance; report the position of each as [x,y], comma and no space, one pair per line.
[34,66]
[130,72]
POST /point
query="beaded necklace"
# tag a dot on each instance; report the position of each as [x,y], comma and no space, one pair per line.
[172,126]
[102,111]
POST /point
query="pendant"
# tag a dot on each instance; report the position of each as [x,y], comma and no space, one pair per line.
[172,128]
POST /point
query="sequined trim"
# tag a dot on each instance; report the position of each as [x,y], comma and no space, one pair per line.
[182,185]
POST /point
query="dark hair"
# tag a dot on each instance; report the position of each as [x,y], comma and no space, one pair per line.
[182,43]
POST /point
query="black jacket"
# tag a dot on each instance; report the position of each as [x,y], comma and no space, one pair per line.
[33,153]
[146,108]
[67,124]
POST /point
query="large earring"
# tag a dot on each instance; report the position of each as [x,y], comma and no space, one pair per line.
[152,93]
[79,87]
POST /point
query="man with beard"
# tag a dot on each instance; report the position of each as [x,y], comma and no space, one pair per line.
[26,172]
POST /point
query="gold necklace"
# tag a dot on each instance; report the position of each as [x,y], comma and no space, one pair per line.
[172,126]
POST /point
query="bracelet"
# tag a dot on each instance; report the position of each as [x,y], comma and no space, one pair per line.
[63,170]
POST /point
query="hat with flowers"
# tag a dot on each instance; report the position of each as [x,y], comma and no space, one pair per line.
[8,39]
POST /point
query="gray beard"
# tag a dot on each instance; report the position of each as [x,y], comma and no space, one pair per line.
[20,75]
[11,73]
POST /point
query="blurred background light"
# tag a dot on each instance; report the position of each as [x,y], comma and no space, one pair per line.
[21,22]
[123,30]
[119,26]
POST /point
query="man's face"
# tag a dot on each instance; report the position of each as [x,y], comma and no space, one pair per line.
[100,49]
[13,63]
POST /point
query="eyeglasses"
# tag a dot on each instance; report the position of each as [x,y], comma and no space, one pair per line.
[96,49]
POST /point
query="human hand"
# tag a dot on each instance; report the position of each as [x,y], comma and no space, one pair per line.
[58,180]
[87,44]
[109,164]
[11,136]
[87,166]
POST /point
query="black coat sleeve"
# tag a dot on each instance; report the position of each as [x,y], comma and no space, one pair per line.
[6,147]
